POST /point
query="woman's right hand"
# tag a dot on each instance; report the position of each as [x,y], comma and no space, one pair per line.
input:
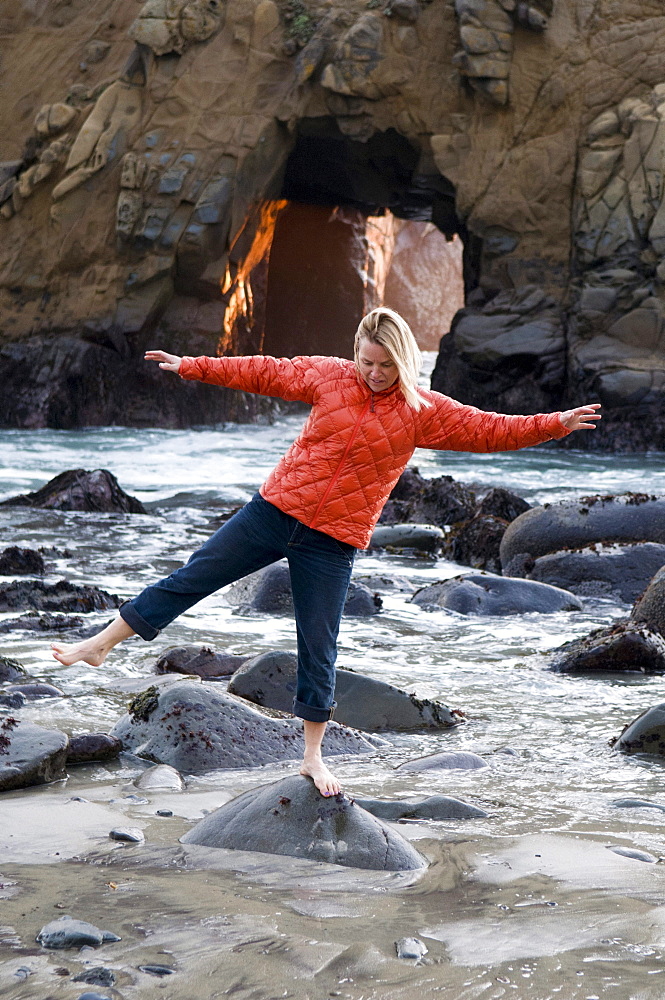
[169,362]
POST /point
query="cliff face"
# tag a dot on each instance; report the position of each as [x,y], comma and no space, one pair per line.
[170,172]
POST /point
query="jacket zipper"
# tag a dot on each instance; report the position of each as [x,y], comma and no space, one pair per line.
[368,405]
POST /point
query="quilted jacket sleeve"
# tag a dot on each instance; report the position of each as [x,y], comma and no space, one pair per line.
[287,378]
[453,426]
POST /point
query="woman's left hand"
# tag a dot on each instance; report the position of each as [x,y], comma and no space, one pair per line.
[581,418]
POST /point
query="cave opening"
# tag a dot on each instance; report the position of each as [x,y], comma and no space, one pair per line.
[360,223]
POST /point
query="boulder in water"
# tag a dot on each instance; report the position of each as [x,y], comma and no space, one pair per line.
[60,596]
[625,646]
[387,582]
[422,537]
[159,778]
[88,747]
[362,702]
[477,542]
[33,691]
[486,594]
[447,760]
[33,622]
[292,818]
[30,754]
[199,660]
[645,734]
[67,932]
[428,501]
[650,609]
[197,727]
[436,807]
[268,591]
[77,489]
[11,670]
[621,571]
[15,561]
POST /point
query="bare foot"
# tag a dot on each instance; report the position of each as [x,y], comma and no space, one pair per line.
[89,651]
[325,780]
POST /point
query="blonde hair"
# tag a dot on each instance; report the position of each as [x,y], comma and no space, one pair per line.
[385,327]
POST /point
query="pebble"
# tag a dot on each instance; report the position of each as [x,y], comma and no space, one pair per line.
[410,948]
[632,852]
[67,932]
[164,812]
[156,970]
[130,834]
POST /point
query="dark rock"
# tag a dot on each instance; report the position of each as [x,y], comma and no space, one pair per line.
[164,812]
[428,501]
[15,562]
[622,571]
[197,727]
[160,777]
[15,700]
[502,503]
[410,948]
[446,760]
[477,542]
[78,489]
[362,702]
[200,660]
[486,594]
[60,596]
[632,852]
[128,834]
[423,537]
[92,746]
[620,647]
[156,970]
[35,691]
[30,754]
[99,976]
[436,807]
[292,818]
[32,622]
[67,932]
[645,734]
[650,609]
[637,804]
[268,591]
[11,670]
[573,524]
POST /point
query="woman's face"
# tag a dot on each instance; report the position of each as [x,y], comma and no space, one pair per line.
[375,366]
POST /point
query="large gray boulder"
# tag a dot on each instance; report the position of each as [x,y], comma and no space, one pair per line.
[572,524]
[436,807]
[622,571]
[268,591]
[650,609]
[197,727]
[30,754]
[362,702]
[422,537]
[487,594]
[291,817]
[624,646]
[645,734]
[445,760]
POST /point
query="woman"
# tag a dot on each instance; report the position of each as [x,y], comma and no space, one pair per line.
[325,496]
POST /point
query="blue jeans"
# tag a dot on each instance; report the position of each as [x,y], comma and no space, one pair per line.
[254,537]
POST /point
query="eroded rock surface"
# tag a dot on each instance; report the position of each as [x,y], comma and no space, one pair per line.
[196,727]
[362,702]
[486,594]
[60,596]
[291,817]
[77,489]
[15,561]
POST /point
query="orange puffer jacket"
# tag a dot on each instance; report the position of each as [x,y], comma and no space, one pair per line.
[355,444]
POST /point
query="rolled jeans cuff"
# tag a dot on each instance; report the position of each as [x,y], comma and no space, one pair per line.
[129,614]
[310,713]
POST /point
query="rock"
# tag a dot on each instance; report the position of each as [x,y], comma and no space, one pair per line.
[486,594]
[176,26]
[128,834]
[200,660]
[30,754]
[292,818]
[428,501]
[477,542]
[164,812]
[446,760]
[596,570]
[93,996]
[67,932]
[99,976]
[41,623]
[436,807]
[160,777]
[386,582]
[650,609]
[362,702]
[60,596]
[423,537]
[15,700]
[34,691]
[637,804]
[15,561]
[625,646]
[502,503]
[92,747]
[268,591]
[410,948]
[11,670]
[77,489]
[572,524]
[632,852]
[197,727]
[156,970]
[645,734]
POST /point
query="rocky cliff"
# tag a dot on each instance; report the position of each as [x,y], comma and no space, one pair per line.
[211,175]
